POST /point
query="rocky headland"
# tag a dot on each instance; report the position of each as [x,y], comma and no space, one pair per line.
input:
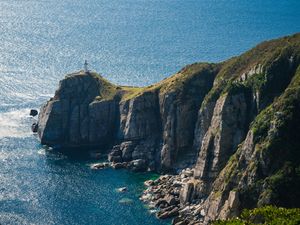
[226,135]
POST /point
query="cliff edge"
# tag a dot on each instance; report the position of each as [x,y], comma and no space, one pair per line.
[234,128]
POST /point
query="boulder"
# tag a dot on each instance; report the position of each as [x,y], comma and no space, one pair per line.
[116,151]
[34,127]
[115,155]
[115,159]
[148,183]
[186,193]
[33,112]
[184,222]
[127,149]
[98,166]
[161,202]
[168,214]
[174,212]
[171,200]
[118,166]
[138,165]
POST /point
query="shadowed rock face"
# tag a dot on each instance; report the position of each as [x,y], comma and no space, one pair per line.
[227,129]
[140,117]
[73,117]
[229,123]
[155,124]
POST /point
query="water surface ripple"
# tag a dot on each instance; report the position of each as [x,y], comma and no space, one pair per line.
[131,42]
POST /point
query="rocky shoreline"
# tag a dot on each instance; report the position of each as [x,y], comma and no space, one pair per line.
[171,196]
[134,165]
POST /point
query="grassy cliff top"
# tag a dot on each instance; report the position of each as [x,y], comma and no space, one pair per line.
[263,54]
[175,82]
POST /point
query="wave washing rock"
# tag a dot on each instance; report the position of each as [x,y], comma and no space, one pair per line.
[232,129]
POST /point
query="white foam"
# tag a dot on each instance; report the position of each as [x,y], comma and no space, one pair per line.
[15,123]
[42,152]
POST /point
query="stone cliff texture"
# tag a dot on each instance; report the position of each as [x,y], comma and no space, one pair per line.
[232,127]
[154,124]
[78,115]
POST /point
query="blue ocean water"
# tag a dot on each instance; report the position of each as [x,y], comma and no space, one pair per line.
[130,42]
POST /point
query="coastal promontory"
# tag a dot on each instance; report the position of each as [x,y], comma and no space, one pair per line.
[228,134]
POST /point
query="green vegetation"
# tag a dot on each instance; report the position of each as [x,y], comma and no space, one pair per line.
[280,112]
[264,54]
[186,81]
[186,78]
[276,134]
[257,81]
[268,215]
[107,90]
[131,92]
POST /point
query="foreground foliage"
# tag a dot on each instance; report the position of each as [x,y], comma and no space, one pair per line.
[268,215]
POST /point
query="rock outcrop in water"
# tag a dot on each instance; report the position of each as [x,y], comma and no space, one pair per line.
[234,127]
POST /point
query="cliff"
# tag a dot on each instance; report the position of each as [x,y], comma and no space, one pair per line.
[155,123]
[234,128]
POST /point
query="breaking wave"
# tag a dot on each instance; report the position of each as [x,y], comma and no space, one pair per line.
[14,123]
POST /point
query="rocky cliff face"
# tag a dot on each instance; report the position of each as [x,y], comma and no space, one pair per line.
[228,123]
[78,115]
[153,124]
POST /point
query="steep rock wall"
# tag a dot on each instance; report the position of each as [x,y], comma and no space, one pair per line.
[74,117]
[228,121]
[148,124]
[248,145]
[179,107]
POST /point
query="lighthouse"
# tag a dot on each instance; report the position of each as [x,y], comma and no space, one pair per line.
[86,66]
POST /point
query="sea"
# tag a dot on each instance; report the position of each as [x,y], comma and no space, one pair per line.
[129,42]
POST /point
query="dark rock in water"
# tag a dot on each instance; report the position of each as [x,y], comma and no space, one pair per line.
[119,165]
[34,127]
[33,112]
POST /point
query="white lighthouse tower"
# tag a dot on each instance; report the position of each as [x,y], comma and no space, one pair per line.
[86,66]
